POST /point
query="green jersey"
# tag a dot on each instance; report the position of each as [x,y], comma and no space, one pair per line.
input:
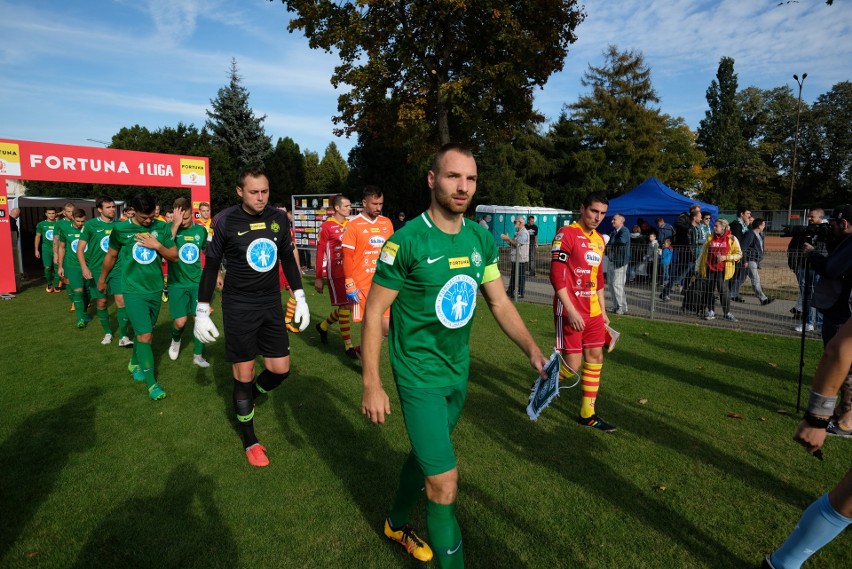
[45,228]
[437,276]
[96,234]
[141,268]
[60,226]
[190,241]
[70,237]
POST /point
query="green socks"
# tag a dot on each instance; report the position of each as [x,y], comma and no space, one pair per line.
[409,492]
[103,316]
[445,535]
[145,355]
[176,333]
[121,316]
[79,305]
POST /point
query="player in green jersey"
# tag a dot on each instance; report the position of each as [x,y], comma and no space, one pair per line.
[97,231]
[430,270]
[62,223]
[69,264]
[184,276]
[141,244]
[44,248]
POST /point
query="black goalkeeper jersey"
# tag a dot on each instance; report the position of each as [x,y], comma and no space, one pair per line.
[252,247]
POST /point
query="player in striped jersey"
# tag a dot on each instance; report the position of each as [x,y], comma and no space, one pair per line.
[578,303]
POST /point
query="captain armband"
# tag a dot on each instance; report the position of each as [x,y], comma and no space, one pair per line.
[560,256]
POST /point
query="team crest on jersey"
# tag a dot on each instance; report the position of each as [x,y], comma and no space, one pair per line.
[143,255]
[261,255]
[476,258]
[593,258]
[104,243]
[189,253]
[456,301]
[48,235]
[74,245]
[275,227]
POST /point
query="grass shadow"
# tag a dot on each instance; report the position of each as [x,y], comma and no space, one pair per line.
[33,456]
[179,527]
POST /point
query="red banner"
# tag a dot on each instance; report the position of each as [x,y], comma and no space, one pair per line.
[44,161]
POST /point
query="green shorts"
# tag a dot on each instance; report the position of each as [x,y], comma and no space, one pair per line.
[430,416]
[75,278]
[143,310]
[47,258]
[115,282]
[94,293]
[182,301]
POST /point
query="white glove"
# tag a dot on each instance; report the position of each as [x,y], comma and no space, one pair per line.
[302,316]
[205,330]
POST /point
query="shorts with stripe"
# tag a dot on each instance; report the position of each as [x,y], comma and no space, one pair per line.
[570,341]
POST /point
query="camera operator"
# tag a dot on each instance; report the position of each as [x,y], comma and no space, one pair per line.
[812,233]
[831,297]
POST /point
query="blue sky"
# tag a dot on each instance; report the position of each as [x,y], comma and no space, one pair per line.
[73,71]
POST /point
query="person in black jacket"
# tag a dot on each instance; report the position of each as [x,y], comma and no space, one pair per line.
[739,228]
[797,264]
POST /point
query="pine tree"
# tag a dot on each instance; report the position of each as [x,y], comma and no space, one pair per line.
[234,125]
[285,168]
[720,135]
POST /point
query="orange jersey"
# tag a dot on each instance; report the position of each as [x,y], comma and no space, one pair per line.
[362,245]
[576,263]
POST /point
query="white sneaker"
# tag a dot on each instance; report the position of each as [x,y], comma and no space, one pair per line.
[125,342]
[808,328]
[107,339]
[199,360]
[710,315]
[174,350]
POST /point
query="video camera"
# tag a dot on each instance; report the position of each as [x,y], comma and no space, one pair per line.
[813,232]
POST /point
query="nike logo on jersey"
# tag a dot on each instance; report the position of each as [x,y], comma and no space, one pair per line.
[452,551]
[430,260]
[241,233]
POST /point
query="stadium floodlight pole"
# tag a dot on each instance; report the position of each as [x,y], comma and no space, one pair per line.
[795,144]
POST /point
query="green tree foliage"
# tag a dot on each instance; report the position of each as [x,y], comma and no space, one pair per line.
[313,178]
[234,125]
[432,71]
[376,162]
[720,135]
[825,150]
[514,171]
[681,161]
[333,171]
[285,168]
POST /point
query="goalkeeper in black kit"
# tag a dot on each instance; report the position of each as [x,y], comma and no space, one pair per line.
[252,239]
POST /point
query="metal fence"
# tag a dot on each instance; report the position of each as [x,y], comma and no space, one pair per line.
[643,291]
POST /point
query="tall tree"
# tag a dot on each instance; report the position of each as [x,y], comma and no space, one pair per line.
[681,164]
[620,132]
[234,125]
[826,150]
[439,70]
[515,170]
[720,136]
[285,168]
[313,177]
[333,170]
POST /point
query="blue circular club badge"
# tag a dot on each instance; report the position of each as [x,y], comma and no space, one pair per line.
[189,253]
[456,301]
[262,255]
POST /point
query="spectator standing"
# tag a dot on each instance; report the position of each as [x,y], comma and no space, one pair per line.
[739,227]
[664,230]
[486,222]
[716,265]
[519,256]
[831,297]
[753,248]
[618,251]
[666,255]
[399,222]
[637,251]
[686,256]
[532,229]
[796,262]
[705,230]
